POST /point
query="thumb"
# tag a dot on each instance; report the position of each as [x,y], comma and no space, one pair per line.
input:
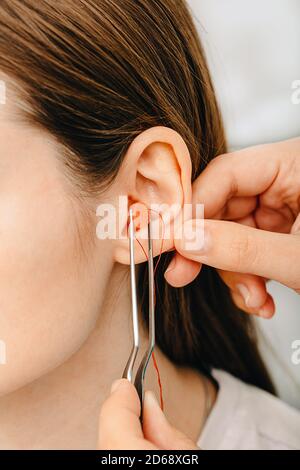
[119,422]
[159,431]
[235,247]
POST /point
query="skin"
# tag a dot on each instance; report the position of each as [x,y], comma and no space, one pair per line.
[66,339]
[252,233]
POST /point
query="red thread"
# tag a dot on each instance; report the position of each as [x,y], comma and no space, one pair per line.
[159,382]
[153,355]
[154,272]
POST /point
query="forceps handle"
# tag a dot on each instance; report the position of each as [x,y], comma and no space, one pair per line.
[127,374]
[141,372]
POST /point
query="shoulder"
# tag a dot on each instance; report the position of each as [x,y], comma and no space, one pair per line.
[245,417]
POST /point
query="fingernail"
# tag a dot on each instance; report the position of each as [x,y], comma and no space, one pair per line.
[150,399]
[244,292]
[151,403]
[118,384]
[250,299]
[171,265]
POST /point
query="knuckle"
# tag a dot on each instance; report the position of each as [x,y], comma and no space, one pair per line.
[216,161]
[244,252]
[224,163]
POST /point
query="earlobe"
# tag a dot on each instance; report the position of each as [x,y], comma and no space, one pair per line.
[157,176]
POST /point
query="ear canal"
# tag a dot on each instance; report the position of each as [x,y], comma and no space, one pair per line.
[140,215]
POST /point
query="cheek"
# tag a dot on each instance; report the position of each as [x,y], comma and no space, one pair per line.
[47,295]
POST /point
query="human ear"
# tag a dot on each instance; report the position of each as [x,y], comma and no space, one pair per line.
[156,178]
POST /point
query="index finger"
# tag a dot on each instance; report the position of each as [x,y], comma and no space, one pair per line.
[247,172]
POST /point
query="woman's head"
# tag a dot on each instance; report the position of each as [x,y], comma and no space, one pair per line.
[104,98]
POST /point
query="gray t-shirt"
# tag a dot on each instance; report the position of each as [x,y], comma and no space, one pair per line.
[245,417]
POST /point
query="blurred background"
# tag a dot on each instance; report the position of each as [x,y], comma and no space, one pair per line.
[253,50]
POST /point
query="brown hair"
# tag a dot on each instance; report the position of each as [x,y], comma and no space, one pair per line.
[96,73]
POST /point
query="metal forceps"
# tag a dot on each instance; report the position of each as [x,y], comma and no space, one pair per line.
[141,372]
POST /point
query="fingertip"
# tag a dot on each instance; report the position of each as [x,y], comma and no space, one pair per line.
[151,403]
[156,427]
[123,395]
[159,431]
[117,384]
[120,416]
[267,311]
[253,291]
[250,294]
[183,273]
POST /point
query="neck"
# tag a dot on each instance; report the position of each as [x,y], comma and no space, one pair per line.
[60,410]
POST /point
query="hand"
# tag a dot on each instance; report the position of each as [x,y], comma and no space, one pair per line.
[252,199]
[120,427]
